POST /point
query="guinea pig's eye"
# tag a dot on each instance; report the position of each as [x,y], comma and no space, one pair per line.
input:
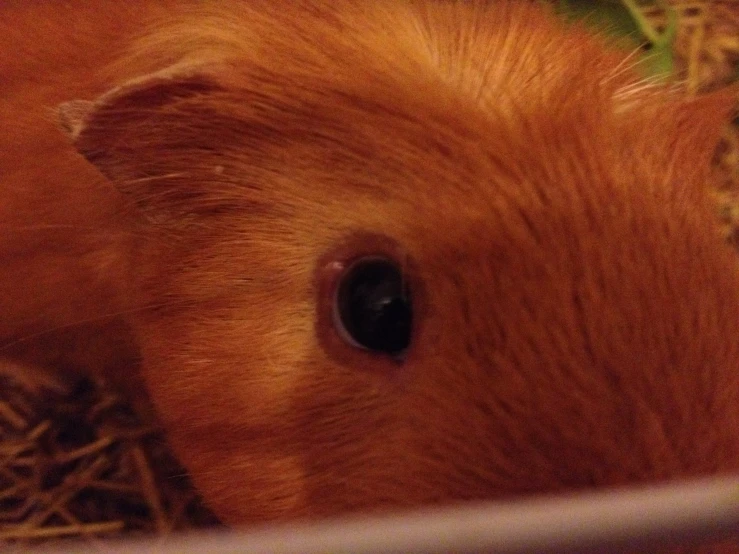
[372,306]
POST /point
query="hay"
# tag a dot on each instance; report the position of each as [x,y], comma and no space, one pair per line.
[83,465]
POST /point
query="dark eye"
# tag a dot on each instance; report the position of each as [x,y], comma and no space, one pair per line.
[372,307]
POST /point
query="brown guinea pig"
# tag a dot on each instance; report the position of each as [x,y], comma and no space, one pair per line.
[374,254]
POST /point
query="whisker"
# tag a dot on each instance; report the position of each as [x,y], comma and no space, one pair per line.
[626,65]
[154,178]
[96,319]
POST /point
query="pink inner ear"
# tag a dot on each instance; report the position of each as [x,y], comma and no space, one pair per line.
[147,92]
[72,116]
[107,131]
[128,134]
[153,93]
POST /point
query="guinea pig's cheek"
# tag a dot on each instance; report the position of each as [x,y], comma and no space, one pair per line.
[246,488]
[243,477]
[247,368]
[227,414]
[267,384]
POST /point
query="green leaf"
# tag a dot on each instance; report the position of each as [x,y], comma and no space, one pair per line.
[608,16]
[623,21]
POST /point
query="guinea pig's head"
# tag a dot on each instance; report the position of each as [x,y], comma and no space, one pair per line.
[422,266]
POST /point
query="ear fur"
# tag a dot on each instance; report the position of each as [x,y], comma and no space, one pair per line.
[82,119]
[110,131]
[678,138]
[130,133]
[72,116]
[702,121]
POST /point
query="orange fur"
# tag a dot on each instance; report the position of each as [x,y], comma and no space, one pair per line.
[576,308]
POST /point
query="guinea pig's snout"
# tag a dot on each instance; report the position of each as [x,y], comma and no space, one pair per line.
[554,376]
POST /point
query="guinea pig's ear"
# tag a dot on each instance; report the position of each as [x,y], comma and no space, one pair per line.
[703,119]
[139,131]
[692,131]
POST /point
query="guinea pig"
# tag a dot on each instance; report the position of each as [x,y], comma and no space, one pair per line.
[374,255]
